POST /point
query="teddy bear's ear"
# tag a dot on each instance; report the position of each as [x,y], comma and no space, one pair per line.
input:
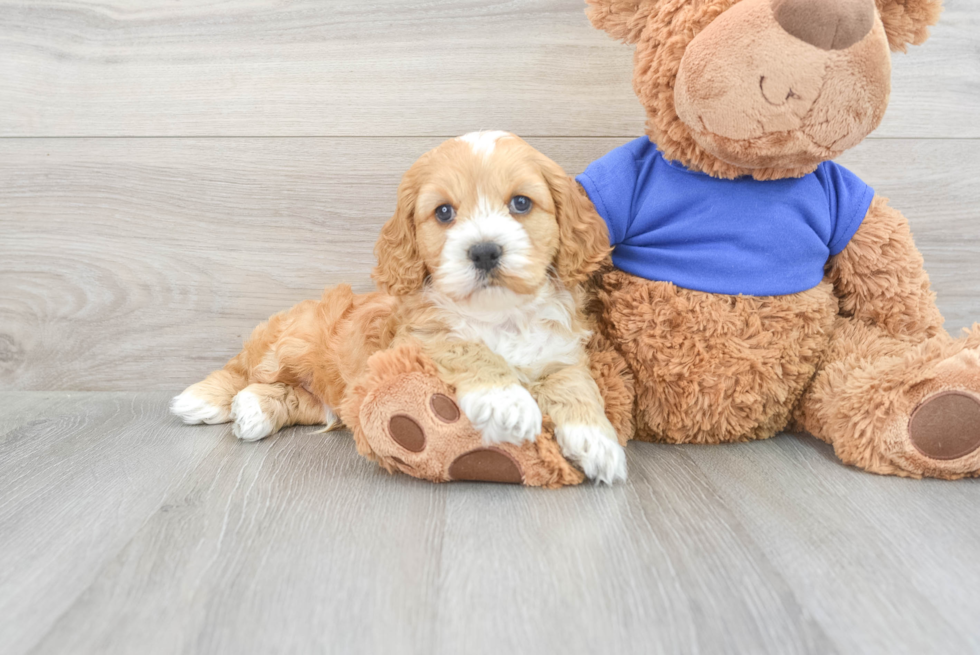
[907,22]
[622,19]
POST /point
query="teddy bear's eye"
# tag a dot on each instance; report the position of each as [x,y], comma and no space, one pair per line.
[445,213]
[520,205]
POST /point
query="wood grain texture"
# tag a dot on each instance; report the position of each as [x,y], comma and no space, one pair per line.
[655,566]
[136,534]
[867,554]
[375,68]
[79,475]
[144,263]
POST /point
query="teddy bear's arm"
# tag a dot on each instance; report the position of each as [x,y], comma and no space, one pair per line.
[880,280]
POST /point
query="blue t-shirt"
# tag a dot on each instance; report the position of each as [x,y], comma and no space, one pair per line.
[733,237]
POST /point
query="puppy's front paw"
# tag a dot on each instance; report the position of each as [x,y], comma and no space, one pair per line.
[251,423]
[595,449]
[503,414]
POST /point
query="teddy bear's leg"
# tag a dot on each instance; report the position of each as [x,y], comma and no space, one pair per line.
[895,393]
[709,368]
[898,406]
[406,419]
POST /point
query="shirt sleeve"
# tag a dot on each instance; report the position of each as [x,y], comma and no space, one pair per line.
[610,182]
[850,199]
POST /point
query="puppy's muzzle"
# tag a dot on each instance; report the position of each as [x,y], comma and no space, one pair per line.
[485,256]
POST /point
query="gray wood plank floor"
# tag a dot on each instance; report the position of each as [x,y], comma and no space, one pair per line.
[122,531]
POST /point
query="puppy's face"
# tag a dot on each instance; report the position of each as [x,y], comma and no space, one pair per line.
[485,217]
[485,212]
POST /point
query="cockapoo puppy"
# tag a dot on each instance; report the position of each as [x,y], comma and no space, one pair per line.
[484,266]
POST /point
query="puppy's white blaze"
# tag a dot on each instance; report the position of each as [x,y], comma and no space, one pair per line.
[456,274]
[484,143]
[194,411]
[503,414]
[251,423]
[595,449]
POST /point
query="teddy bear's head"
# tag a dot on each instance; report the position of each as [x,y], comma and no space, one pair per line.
[768,88]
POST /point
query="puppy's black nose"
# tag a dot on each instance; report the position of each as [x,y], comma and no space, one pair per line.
[485,256]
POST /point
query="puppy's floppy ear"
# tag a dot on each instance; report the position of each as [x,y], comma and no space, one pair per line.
[583,238]
[400,270]
[621,19]
[907,22]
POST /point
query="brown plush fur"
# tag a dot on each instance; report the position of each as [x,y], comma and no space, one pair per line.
[711,368]
[852,89]
[907,22]
[880,280]
[869,386]
[615,381]
[850,360]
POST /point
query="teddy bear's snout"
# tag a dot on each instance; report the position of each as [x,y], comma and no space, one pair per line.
[826,24]
[785,83]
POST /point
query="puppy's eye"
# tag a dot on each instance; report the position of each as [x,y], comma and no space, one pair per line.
[445,213]
[520,205]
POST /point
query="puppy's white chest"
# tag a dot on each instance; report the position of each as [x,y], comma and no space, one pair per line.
[530,338]
[531,347]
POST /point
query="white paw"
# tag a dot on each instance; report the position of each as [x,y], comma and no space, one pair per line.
[194,411]
[251,423]
[595,449]
[503,414]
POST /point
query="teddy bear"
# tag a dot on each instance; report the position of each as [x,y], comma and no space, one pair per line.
[759,287]
[755,286]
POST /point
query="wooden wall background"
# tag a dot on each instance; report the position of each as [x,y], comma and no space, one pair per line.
[173,172]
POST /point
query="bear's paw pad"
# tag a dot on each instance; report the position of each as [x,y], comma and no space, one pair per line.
[486,465]
[946,425]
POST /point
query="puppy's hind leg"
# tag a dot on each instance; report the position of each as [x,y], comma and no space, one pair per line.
[260,410]
[209,401]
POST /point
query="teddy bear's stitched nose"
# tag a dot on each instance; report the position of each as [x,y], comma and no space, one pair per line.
[826,24]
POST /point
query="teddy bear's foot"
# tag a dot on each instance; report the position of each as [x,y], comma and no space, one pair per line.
[937,432]
[946,425]
[412,424]
[915,413]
